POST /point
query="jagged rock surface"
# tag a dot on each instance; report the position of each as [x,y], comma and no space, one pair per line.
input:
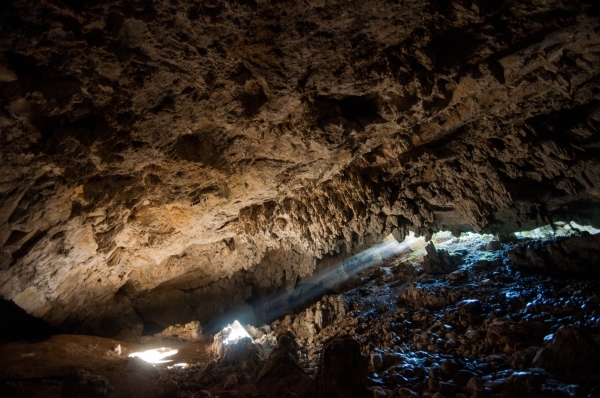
[343,369]
[157,155]
[189,332]
[281,375]
[533,334]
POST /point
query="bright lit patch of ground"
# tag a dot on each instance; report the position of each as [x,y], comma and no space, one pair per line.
[155,356]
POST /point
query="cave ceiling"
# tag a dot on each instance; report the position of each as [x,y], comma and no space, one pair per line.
[175,146]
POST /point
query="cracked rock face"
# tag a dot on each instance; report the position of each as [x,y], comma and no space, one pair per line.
[169,161]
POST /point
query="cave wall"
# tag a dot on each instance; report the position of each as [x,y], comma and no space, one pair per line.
[157,155]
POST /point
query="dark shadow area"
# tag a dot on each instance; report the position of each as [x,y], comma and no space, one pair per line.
[17,325]
[253,101]
[350,111]
[151,328]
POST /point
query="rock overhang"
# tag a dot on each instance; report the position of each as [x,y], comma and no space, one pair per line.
[157,151]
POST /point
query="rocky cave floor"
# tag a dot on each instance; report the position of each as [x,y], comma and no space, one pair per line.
[479,320]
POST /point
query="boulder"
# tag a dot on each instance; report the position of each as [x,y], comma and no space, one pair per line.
[281,375]
[439,261]
[241,352]
[189,332]
[342,369]
[570,353]
[327,311]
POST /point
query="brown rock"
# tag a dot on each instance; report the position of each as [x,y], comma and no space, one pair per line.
[165,162]
[570,353]
[342,369]
[475,384]
[281,375]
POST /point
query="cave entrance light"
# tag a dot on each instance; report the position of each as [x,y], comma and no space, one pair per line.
[155,356]
[559,228]
[321,283]
[234,332]
[366,259]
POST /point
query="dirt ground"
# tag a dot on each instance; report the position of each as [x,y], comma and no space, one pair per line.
[39,369]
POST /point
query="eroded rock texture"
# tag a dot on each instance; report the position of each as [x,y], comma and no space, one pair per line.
[169,161]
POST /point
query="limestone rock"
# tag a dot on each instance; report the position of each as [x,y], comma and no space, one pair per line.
[425,296]
[564,255]
[163,162]
[281,375]
[439,261]
[342,369]
[570,353]
[242,351]
[189,332]
[327,311]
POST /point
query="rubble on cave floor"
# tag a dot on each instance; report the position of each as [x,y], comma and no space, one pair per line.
[510,319]
[491,328]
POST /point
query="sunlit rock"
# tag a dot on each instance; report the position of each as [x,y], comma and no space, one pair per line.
[189,332]
[229,335]
[143,176]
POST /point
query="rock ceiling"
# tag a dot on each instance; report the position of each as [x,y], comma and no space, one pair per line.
[169,160]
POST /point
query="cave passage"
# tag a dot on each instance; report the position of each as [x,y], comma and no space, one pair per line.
[318,198]
[475,313]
